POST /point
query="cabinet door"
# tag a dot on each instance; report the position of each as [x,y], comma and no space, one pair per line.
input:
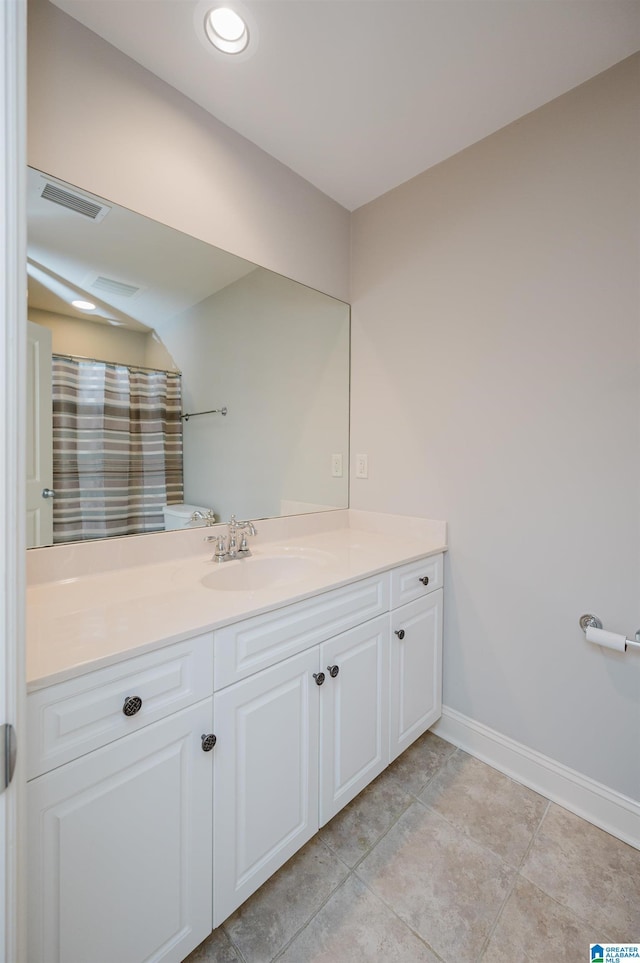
[266,776]
[120,848]
[354,713]
[416,670]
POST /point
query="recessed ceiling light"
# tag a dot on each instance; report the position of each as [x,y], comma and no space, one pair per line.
[226,30]
[83,305]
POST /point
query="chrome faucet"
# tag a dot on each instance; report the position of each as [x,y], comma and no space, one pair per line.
[207,517]
[227,551]
[233,549]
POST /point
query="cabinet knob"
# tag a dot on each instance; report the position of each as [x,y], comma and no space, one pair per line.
[208,741]
[424,579]
[400,634]
[319,677]
[333,670]
[132,704]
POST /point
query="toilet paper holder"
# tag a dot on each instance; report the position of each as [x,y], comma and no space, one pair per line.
[593,622]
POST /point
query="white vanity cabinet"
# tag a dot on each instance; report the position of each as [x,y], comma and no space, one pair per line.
[120,836]
[295,743]
[135,832]
[302,736]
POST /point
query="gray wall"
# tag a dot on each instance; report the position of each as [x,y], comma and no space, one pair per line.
[277,355]
[495,385]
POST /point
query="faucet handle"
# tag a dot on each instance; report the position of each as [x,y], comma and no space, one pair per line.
[221,550]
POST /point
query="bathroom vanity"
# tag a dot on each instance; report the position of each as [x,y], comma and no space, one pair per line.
[173,770]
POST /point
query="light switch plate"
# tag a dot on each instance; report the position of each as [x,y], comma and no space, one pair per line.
[362,466]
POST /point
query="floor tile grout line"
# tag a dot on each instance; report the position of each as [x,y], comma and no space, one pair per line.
[492,928]
[515,867]
[429,778]
[378,840]
[308,922]
[535,834]
[563,906]
[516,876]
[313,915]
[409,799]
[399,918]
[352,873]
[352,870]
[464,832]
[566,907]
[413,798]
[236,949]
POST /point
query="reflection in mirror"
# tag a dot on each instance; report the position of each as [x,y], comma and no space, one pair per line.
[179,327]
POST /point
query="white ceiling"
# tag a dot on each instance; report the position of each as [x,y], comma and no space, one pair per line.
[358,96]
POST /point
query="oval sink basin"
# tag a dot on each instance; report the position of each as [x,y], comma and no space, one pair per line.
[263,572]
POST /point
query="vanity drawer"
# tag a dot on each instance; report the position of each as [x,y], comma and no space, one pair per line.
[406,584]
[246,647]
[66,720]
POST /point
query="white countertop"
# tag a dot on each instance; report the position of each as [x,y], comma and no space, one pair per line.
[78,624]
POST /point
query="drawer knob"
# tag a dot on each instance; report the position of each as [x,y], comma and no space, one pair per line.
[400,634]
[208,741]
[424,579]
[333,670]
[132,704]
[319,677]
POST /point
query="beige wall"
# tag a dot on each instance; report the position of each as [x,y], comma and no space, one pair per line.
[86,339]
[495,384]
[100,121]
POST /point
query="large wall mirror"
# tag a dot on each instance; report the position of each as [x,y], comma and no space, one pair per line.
[258,363]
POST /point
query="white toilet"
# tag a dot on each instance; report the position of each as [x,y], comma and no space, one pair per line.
[179,516]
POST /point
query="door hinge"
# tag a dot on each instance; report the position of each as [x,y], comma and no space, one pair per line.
[8,752]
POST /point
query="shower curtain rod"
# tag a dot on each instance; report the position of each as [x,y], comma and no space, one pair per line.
[114,364]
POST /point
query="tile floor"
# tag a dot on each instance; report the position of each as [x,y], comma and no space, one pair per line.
[442,858]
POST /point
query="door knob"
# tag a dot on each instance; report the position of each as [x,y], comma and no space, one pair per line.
[48,493]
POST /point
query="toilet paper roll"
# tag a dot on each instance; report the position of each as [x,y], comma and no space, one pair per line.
[610,640]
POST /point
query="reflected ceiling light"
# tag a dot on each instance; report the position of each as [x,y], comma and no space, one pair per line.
[226,30]
[83,305]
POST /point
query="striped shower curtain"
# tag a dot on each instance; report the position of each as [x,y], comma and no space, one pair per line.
[117,448]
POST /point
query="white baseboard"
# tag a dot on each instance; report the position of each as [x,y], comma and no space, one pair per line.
[610,810]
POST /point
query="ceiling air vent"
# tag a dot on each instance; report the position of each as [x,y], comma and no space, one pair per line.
[74,202]
[110,286]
